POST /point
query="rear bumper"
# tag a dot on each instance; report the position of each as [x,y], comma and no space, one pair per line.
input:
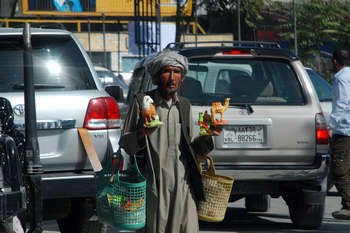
[317,171]
[71,185]
[68,185]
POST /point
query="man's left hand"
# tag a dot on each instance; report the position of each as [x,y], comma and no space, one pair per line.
[216,130]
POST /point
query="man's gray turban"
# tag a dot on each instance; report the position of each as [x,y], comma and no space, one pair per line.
[166,58]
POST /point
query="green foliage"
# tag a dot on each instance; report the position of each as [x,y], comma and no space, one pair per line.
[317,22]
[249,9]
[181,19]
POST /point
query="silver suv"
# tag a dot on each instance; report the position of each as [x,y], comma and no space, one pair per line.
[275,141]
[68,96]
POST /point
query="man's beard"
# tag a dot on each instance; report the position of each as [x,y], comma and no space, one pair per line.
[167,92]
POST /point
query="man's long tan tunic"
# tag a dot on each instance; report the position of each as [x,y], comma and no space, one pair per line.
[171,207]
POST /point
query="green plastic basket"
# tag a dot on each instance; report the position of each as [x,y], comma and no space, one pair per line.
[121,195]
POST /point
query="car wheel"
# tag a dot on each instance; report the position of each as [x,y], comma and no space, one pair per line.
[306,215]
[257,203]
[81,219]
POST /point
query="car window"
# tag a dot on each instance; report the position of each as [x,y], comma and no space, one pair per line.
[199,72]
[108,77]
[263,82]
[322,87]
[57,64]
[140,82]
[128,63]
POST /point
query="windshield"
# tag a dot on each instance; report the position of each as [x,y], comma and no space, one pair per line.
[245,81]
[57,64]
[322,87]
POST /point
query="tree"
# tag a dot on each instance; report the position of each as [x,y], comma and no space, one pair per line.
[179,20]
[318,23]
[226,10]
[182,19]
[343,27]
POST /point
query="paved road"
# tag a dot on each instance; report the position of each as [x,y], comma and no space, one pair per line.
[276,220]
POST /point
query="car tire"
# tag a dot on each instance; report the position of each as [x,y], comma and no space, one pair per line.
[257,203]
[306,215]
[81,219]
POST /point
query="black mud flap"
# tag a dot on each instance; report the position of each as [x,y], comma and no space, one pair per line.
[12,194]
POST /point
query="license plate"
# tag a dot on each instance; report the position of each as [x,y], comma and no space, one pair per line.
[249,134]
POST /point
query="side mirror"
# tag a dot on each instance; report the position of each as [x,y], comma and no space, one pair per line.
[116,92]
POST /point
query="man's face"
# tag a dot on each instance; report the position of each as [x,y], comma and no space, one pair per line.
[170,77]
[335,65]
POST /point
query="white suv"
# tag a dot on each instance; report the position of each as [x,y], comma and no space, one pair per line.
[68,96]
[275,141]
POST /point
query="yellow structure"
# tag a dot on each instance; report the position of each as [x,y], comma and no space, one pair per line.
[195,26]
[113,8]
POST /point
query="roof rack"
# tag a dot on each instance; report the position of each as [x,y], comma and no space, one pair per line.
[242,44]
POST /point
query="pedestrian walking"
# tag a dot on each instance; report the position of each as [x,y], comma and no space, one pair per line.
[174,184]
[340,130]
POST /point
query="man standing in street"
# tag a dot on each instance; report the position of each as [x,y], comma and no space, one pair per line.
[174,184]
[340,130]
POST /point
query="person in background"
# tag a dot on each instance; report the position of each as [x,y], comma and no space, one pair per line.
[174,184]
[339,128]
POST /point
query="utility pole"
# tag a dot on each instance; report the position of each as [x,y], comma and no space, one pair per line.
[239,20]
[104,40]
[295,28]
[33,166]
[196,23]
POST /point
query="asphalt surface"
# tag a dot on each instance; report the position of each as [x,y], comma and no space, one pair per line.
[276,220]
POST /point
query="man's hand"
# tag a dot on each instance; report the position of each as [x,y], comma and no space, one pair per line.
[330,131]
[146,131]
[216,130]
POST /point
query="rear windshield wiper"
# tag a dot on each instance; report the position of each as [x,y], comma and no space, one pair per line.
[38,86]
[248,107]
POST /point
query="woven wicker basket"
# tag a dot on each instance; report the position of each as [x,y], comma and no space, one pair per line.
[217,190]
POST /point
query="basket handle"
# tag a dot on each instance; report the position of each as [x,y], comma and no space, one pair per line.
[210,162]
[119,162]
[132,166]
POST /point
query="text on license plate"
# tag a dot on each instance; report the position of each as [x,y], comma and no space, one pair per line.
[250,134]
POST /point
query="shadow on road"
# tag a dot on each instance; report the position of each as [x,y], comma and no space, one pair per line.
[240,221]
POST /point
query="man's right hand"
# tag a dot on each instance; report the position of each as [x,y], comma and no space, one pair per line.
[146,131]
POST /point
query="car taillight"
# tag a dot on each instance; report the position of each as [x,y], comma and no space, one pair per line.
[321,129]
[102,113]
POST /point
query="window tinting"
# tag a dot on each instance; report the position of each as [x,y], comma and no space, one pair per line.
[129,63]
[261,82]
[322,87]
[57,64]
